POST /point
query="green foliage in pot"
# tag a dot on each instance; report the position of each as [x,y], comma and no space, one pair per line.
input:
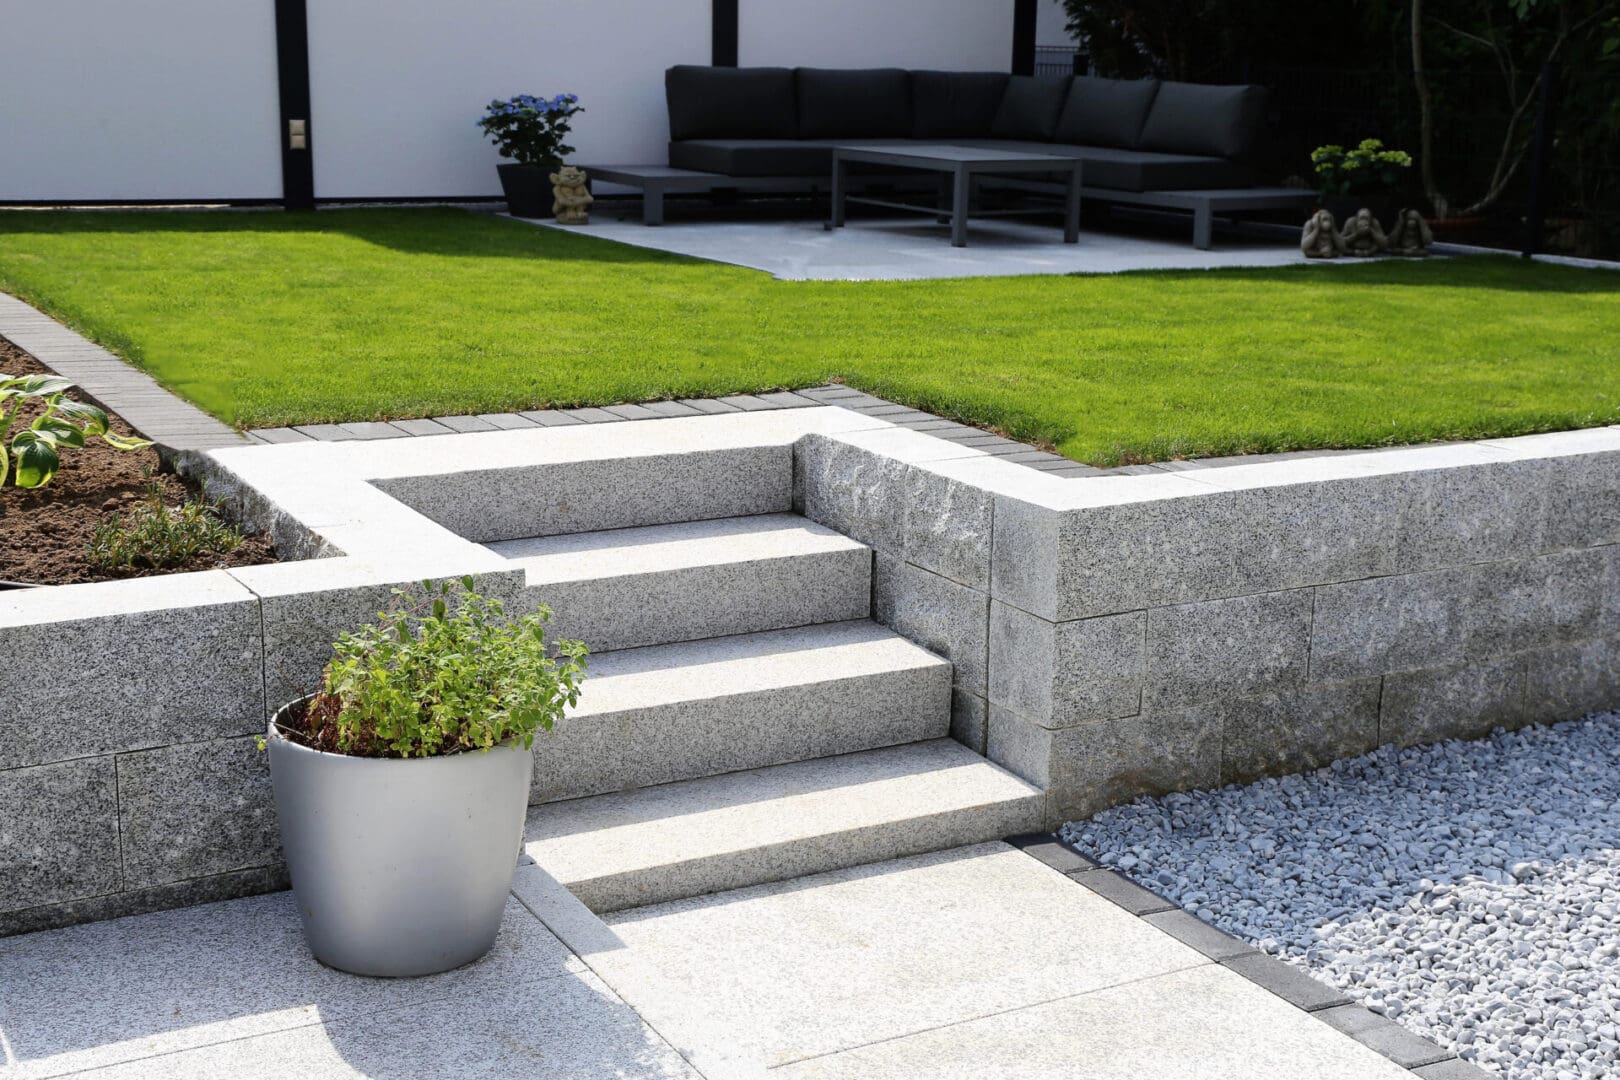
[61,423]
[530,130]
[1365,169]
[441,673]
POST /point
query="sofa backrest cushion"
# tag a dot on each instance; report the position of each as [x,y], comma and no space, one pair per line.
[858,103]
[1219,121]
[955,104]
[1106,112]
[730,103]
[1030,108]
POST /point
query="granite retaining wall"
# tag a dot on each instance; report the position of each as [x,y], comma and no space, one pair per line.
[1180,629]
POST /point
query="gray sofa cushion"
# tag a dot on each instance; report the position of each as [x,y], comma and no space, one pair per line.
[754,157]
[1106,112]
[1190,118]
[1030,107]
[1135,170]
[730,103]
[862,103]
[955,104]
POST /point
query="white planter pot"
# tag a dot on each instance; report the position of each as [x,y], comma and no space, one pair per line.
[400,866]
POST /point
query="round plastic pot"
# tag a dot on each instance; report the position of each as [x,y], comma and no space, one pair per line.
[399,866]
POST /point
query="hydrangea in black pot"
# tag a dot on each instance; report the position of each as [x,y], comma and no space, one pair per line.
[530,131]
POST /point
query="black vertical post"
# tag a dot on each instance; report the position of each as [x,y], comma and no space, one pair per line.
[1023,41]
[725,32]
[1540,157]
[292,69]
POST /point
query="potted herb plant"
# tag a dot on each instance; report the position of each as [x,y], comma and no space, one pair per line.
[530,131]
[1366,175]
[401,785]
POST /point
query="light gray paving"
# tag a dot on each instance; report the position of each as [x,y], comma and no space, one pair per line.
[1202,1024]
[911,249]
[842,960]
[230,989]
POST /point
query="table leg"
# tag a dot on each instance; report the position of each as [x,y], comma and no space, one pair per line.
[944,217]
[840,178]
[652,204]
[1071,208]
[1203,226]
[961,186]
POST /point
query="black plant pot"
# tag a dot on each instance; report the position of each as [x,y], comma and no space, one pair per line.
[527,189]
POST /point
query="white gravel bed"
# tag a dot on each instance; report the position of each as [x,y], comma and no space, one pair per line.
[1470,890]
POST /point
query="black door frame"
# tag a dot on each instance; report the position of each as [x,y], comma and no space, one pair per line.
[292,76]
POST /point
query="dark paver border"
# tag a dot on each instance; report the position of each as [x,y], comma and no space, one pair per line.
[1420,1056]
[165,418]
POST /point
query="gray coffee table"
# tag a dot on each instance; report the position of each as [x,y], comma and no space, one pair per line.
[957,166]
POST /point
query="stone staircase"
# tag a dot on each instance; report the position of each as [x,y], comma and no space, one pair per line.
[744,719]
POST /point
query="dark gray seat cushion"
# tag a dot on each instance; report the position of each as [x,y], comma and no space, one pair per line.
[1135,170]
[1191,118]
[730,103]
[754,157]
[1030,107]
[858,104]
[1105,112]
[955,104]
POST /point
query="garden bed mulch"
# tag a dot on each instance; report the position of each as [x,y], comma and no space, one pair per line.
[44,532]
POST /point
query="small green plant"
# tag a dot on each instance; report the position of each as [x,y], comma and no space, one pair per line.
[154,536]
[442,673]
[530,130]
[62,423]
[1365,169]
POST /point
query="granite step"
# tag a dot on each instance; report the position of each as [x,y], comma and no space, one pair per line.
[727,832]
[665,713]
[662,584]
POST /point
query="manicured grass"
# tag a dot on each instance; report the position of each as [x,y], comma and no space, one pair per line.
[270,318]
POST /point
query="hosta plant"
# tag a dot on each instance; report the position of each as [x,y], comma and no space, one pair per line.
[34,453]
[444,671]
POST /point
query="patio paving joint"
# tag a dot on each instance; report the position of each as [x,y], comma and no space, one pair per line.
[1419,1055]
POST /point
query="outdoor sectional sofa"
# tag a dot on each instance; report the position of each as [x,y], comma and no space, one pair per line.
[1143,141]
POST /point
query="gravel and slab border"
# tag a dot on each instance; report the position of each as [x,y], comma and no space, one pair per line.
[1412,1052]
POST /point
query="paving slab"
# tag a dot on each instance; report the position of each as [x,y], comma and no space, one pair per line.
[911,248]
[569,1028]
[1199,1024]
[839,960]
[101,993]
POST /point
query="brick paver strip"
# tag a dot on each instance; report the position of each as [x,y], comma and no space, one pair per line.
[551,418]
[671,408]
[712,406]
[631,412]
[747,402]
[113,384]
[465,424]
[372,429]
[507,421]
[1422,1057]
[1405,1048]
[422,426]
[592,415]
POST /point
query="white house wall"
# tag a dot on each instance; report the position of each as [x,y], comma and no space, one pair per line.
[162,99]
[951,35]
[396,89]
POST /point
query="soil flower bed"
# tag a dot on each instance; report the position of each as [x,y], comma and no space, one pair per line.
[45,533]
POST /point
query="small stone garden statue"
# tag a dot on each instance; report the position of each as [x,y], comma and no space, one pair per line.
[1411,235]
[1321,238]
[569,197]
[1363,236]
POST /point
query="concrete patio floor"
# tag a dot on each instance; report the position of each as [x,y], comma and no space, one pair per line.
[979,962]
[912,247]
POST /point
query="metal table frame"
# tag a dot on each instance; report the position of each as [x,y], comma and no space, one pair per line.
[958,167]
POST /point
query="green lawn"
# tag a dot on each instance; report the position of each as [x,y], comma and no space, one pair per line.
[266,318]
